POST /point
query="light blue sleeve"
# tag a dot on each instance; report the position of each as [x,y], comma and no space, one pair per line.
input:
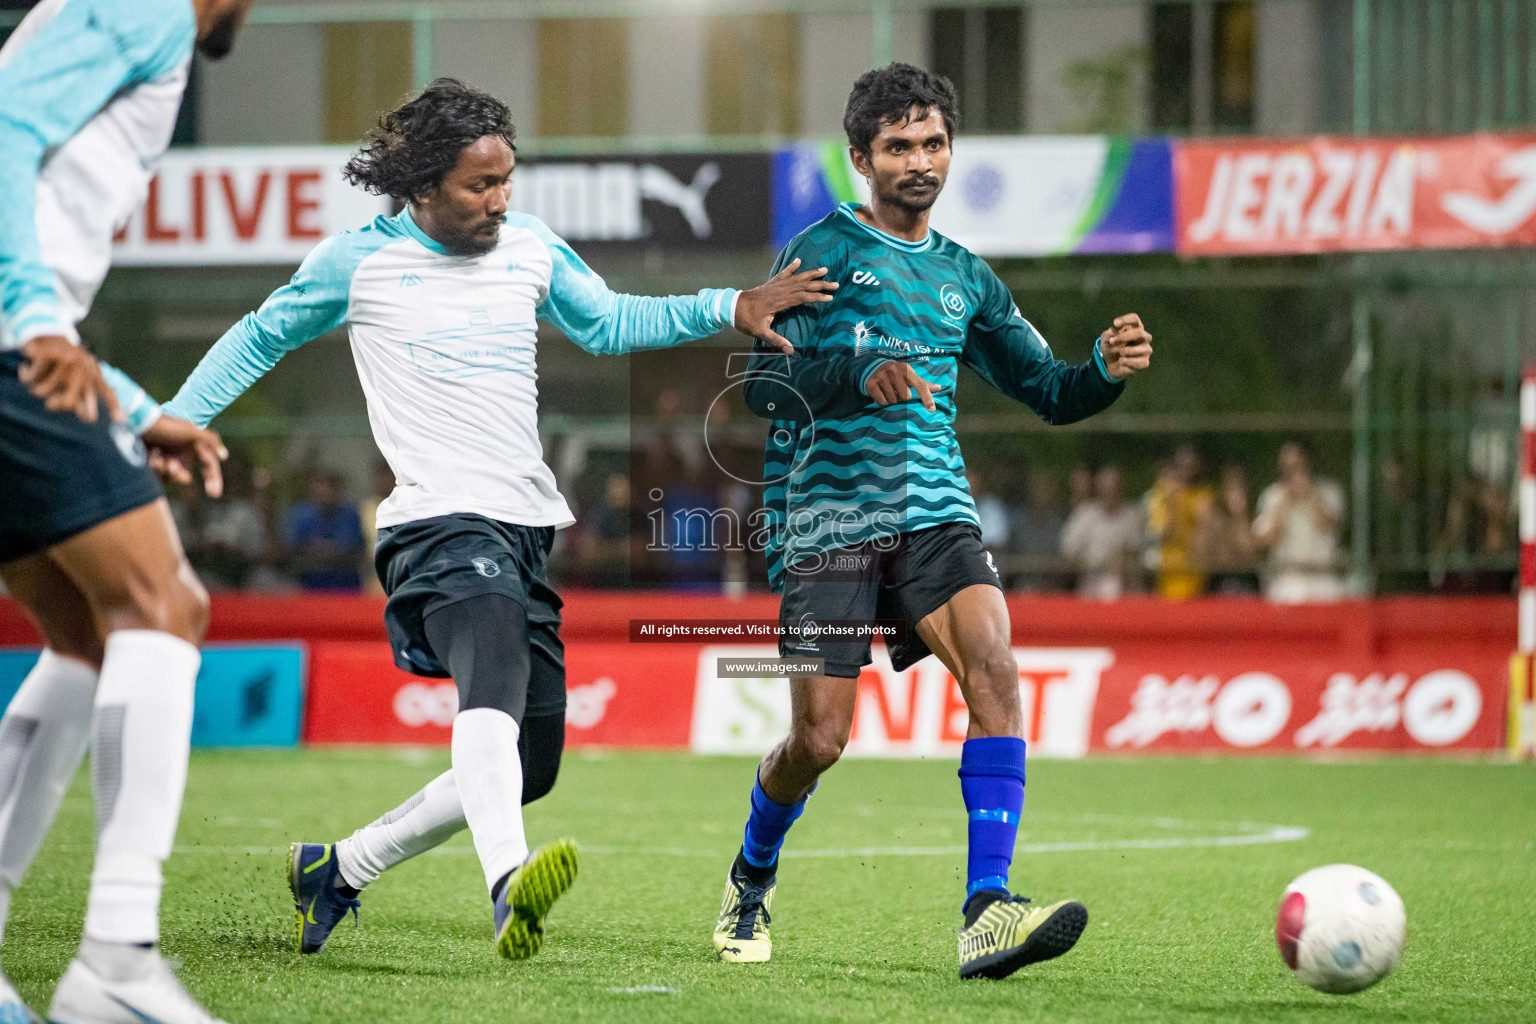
[610,323]
[312,303]
[140,411]
[49,88]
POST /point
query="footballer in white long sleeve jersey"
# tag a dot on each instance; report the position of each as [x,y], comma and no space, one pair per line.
[442,304]
[89,91]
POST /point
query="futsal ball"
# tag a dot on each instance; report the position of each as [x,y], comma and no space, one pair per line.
[1340,928]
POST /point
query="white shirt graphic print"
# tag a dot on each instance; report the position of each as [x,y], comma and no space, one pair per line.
[446,351]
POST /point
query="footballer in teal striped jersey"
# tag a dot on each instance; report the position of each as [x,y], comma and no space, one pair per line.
[870,514]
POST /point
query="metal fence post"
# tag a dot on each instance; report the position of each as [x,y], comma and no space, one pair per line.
[1360,329]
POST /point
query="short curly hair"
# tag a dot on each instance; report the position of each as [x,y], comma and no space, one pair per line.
[414,145]
[887,95]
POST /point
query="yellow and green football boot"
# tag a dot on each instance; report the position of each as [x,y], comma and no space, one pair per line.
[741,933]
[1004,933]
[530,891]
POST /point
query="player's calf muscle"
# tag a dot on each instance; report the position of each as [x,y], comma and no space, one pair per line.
[991,690]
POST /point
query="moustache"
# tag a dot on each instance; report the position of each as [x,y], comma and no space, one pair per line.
[918,182]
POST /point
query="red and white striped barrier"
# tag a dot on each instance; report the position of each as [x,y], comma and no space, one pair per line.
[1522,669]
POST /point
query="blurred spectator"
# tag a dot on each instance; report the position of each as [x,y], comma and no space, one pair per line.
[605,534]
[324,536]
[696,532]
[1102,539]
[1478,526]
[993,515]
[1079,485]
[231,540]
[1224,544]
[1298,525]
[1036,535]
[368,513]
[1174,507]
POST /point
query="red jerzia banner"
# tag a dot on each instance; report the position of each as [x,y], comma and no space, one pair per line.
[1336,194]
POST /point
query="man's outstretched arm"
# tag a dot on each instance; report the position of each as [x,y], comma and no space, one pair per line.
[606,322]
[312,303]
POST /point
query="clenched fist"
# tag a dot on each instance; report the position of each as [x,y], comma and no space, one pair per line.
[1126,347]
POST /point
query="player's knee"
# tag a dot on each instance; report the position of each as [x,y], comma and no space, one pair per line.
[819,747]
[185,609]
[178,606]
[997,675]
[193,609]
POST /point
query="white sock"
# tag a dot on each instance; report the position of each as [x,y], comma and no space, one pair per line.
[430,817]
[142,731]
[42,739]
[489,778]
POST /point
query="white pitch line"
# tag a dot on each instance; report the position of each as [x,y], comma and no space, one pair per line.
[1254,835]
[639,990]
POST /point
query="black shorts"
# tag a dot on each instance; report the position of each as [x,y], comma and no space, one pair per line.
[432,563]
[916,574]
[61,476]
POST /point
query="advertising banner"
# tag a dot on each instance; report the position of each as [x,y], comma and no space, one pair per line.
[248,695]
[615,697]
[1233,705]
[676,200]
[1009,196]
[243,206]
[916,713]
[1241,197]
[1076,700]
[270,205]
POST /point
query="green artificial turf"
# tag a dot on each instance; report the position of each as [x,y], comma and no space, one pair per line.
[1181,898]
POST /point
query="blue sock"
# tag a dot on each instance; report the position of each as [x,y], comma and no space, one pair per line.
[766,827]
[992,783]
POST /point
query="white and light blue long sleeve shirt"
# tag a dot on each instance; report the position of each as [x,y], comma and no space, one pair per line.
[446,349]
[89,91]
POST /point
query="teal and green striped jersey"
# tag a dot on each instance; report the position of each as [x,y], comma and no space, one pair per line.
[840,470]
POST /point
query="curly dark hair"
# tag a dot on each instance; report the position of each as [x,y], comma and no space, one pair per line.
[414,145]
[887,95]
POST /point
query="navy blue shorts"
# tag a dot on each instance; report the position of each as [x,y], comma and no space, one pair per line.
[61,476]
[429,564]
[905,581]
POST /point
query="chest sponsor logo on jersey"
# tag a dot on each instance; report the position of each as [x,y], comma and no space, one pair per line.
[865,277]
[869,341]
[953,301]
